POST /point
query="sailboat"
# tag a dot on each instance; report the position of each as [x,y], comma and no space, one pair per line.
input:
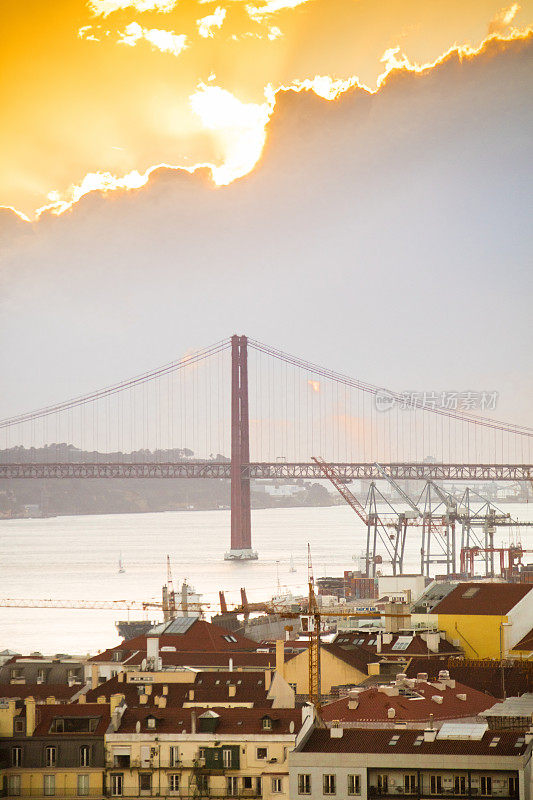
[120,565]
[292,568]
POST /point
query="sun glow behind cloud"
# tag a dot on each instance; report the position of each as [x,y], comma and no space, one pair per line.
[180,117]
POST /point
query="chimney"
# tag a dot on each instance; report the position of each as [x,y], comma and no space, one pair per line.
[230,664]
[165,690]
[101,699]
[391,712]
[82,698]
[143,699]
[268,679]
[336,731]
[120,677]
[50,701]
[138,726]
[162,702]
[280,657]
[378,643]
[148,690]
[30,715]
[430,734]
[193,721]
[232,690]
[94,676]
[422,676]
[152,648]
[114,701]
[191,694]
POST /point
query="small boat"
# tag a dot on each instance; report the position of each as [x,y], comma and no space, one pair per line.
[120,565]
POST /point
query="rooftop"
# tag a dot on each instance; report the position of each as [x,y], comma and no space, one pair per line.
[415,700]
[495,599]
[46,714]
[362,740]
[230,720]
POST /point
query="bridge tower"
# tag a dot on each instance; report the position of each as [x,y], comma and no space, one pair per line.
[241,529]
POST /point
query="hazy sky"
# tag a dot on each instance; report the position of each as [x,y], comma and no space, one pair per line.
[386,234]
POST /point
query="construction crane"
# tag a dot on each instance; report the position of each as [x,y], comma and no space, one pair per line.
[119,605]
[311,624]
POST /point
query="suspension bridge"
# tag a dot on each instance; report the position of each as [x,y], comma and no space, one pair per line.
[241,411]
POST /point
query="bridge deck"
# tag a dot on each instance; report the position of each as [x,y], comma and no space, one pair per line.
[270,470]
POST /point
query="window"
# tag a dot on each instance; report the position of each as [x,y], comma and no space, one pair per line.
[174,756]
[13,785]
[18,726]
[277,785]
[41,675]
[50,756]
[226,758]
[15,674]
[49,785]
[409,783]
[16,756]
[83,785]
[267,724]
[459,784]
[232,786]
[145,782]
[117,655]
[201,753]
[354,784]
[486,785]
[117,784]
[72,674]
[85,755]
[202,783]
[304,784]
[173,783]
[247,783]
[262,752]
[383,784]
[329,783]
[435,784]
[513,786]
[121,762]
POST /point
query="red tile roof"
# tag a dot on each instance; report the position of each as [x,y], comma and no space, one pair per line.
[46,715]
[208,687]
[202,636]
[362,740]
[483,598]
[526,642]
[40,691]
[231,720]
[373,704]
[417,646]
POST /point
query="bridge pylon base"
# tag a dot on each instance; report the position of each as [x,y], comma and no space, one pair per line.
[246,554]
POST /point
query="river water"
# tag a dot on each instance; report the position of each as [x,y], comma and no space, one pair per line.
[77,558]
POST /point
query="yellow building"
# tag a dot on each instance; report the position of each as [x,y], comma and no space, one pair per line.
[53,749]
[337,667]
[194,752]
[486,619]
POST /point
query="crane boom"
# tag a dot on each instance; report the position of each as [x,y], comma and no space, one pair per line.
[127,605]
[342,489]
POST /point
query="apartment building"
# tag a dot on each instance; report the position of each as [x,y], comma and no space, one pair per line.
[459,760]
[195,752]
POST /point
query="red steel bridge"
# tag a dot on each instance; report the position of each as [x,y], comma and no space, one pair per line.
[189,419]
